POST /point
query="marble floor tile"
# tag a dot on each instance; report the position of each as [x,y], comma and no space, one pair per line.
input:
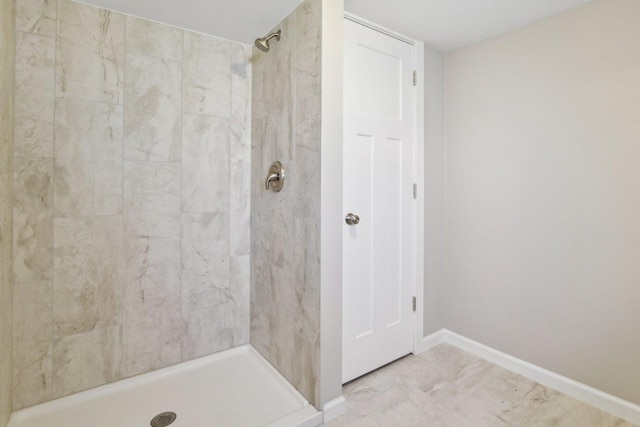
[448,387]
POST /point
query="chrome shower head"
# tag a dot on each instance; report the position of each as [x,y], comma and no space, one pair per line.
[263,42]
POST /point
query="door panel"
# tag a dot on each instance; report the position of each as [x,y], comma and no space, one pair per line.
[377,85]
[379,259]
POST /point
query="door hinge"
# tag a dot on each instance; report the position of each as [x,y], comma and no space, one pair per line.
[414,303]
[415,78]
[415,191]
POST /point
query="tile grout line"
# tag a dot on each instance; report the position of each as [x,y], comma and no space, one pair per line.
[123,259]
[183,321]
[12,281]
[53,200]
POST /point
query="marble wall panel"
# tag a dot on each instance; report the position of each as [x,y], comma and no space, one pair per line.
[309,114]
[89,53]
[306,168]
[308,56]
[275,95]
[240,150]
[88,152]
[205,261]
[34,87]
[7,87]
[36,17]
[152,329]
[207,75]
[205,164]
[153,121]
[87,288]
[32,343]
[285,226]
[224,325]
[152,199]
[240,277]
[153,39]
[132,254]
[32,219]
[282,314]
[260,320]
[259,96]
[152,228]
[86,360]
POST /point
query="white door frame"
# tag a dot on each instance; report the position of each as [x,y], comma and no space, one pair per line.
[418,102]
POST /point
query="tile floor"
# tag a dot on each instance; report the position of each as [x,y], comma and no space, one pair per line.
[446,386]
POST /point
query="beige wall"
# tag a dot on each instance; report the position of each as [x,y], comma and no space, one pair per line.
[7,46]
[433,315]
[285,226]
[131,217]
[542,194]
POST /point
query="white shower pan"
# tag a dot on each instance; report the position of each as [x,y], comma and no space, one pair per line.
[234,388]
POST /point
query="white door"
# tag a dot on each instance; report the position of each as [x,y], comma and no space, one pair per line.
[379,255]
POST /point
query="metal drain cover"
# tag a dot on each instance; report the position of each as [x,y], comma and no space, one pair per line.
[163,419]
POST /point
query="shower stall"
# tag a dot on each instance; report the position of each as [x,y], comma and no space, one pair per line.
[143,259]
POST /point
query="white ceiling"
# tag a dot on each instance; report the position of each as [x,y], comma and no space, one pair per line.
[450,24]
[237,20]
[442,24]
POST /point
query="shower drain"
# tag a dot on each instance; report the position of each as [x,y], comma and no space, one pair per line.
[163,419]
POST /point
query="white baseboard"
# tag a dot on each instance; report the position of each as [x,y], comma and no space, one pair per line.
[305,417]
[601,400]
[333,409]
[430,341]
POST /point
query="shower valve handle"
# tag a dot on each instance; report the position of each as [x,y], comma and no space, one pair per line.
[275,178]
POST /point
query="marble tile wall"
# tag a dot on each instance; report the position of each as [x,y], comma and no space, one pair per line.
[132,200]
[7,72]
[285,229]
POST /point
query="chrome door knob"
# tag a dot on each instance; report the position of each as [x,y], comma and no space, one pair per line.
[352,219]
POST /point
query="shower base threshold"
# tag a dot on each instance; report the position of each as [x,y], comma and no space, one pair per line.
[236,387]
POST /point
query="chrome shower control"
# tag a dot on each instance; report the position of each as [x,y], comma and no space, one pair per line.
[352,219]
[275,178]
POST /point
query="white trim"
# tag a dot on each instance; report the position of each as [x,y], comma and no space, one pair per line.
[365,22]
[601,400]
[418,167]
[307,417]
[430,341]
[334,409]
[331,214]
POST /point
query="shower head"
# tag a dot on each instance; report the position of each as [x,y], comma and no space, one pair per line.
[263,42]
